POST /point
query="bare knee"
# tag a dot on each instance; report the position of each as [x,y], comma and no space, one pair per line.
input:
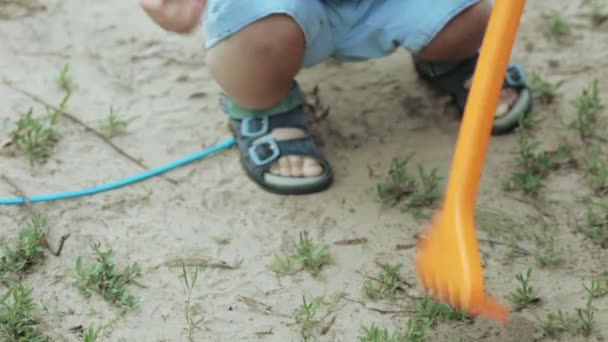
[462,36]
[257,65]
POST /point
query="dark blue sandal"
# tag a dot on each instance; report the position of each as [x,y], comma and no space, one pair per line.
[259,150]
[450,77]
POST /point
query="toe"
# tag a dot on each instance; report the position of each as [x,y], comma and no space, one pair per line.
[296,164]
[502,109]
[285,167]
[312,167]
[507,98]
[468,83]
[275,168]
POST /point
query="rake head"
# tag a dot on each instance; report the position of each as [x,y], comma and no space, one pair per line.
[449,267]
[447,259]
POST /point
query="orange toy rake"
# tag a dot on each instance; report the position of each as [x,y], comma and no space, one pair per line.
[448,263]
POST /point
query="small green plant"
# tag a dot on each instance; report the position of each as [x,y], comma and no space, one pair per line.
[559,25]
[283,265]
[554,325]
[400,183]
[36,137]
[91,335]
[597,168]
[588,106]
[427,192]
[525,295]
[18,315]
[101,277]
[415,330]
[306,315]
[530,122]
[313,257]
[535,166]
[192,312]
[28,250]
[546,90]
[4,125]
[598,287]
[374,333]
[308,255]
[419,194]
[582,324]
[428,313]
[112,125]
[385,285]
[432,312]
[549,256]
[222,239]
[597,227]
[53,115]
[64,81]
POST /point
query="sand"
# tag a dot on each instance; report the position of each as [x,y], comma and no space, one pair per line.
[378,110]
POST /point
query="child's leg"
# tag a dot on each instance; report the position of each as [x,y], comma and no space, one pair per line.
[461,37]
[255,65]
[458,42]
[444,36]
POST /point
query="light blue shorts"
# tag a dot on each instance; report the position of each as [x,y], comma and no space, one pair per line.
[347,30]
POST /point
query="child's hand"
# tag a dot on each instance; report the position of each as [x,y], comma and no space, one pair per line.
[180,16]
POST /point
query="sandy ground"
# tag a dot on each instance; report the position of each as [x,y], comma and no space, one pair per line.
[378,110]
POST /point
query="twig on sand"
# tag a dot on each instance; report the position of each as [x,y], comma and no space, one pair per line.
[201,262]
[86,127]
[260,307]
[29,8]
[260,334]
[351,242]
[496,242]
[21,193]
[401,247]
[399,287]
[325,328]
[534,205]
[35,215]
[370,306]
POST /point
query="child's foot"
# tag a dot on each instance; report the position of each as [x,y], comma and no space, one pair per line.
[278,153]
[294,165]
[508,96]
[455,78]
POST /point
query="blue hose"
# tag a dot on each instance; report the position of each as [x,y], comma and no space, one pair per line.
[121,183]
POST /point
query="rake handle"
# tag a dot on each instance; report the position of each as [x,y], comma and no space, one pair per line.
[480,109]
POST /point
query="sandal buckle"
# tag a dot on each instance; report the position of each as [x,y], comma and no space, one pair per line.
[264,151]
[515,76]
[254,127]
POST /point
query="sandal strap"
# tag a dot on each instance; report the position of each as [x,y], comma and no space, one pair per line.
[448,73]
[262,148]
[294,98]
[267,150]
[515,77]
[259,149]
[451,76]
[258,126]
